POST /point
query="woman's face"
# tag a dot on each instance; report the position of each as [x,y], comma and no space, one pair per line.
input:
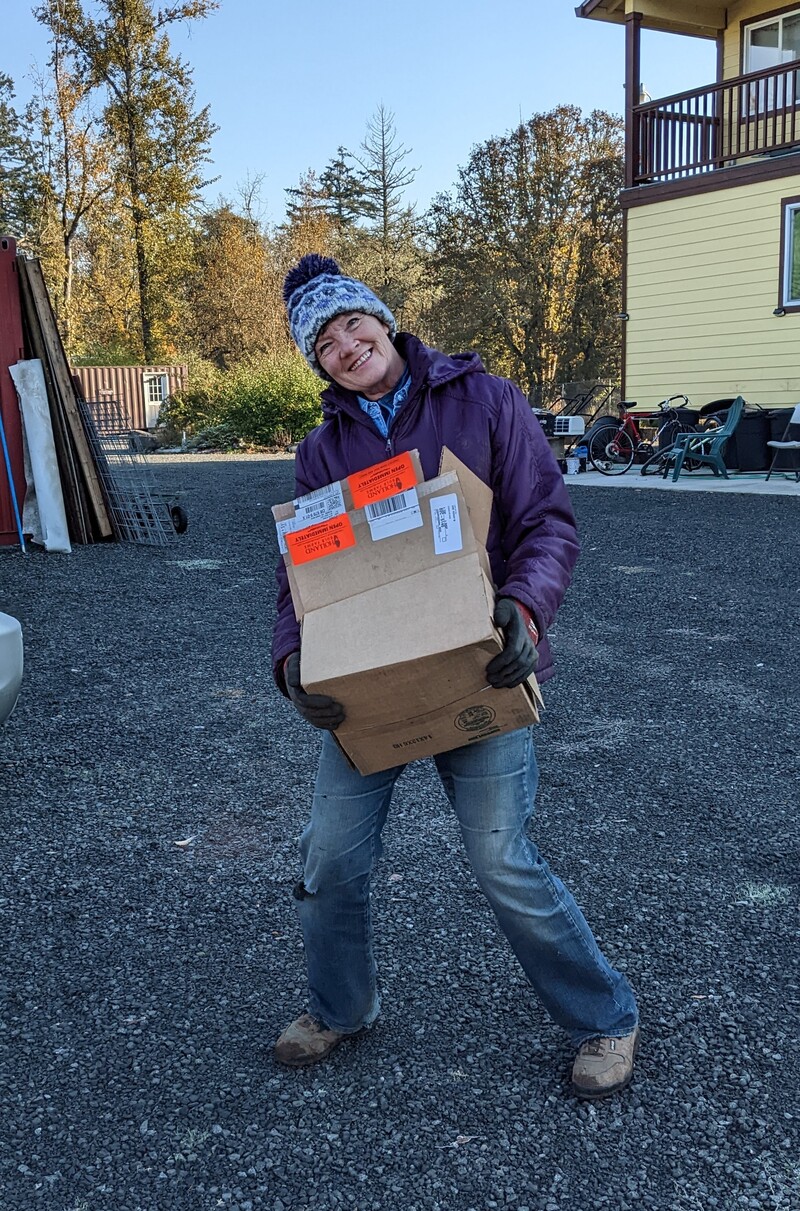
[355,350]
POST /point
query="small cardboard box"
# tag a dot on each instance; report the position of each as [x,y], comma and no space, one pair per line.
[396,601]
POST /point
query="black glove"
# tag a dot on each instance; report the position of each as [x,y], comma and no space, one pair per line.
[317,709]
[519,657]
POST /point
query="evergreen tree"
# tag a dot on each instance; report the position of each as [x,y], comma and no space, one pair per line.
[17,168]
[344,192]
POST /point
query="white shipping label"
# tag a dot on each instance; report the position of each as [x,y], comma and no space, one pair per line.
[320,505]
[284,528]
[446,524]
[394,515]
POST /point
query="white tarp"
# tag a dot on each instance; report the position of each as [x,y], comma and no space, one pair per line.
[43,513]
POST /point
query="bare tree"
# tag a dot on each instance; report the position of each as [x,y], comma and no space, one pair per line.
[159,141]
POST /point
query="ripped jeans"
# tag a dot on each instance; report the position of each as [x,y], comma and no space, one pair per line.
[491,786]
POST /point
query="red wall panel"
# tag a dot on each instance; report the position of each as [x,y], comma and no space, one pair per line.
[11,351]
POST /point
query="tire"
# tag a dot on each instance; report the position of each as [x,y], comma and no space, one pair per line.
[691,464]
[611,451]
[180,519]
[654,465]
[602,424]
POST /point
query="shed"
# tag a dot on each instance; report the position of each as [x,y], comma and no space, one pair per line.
[139,390]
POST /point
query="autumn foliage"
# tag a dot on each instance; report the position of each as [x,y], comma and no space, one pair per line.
[105,178]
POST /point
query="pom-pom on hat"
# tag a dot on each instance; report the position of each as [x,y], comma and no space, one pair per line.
[316,291]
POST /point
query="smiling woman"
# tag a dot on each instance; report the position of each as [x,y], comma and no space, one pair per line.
[391,400]
[355,350]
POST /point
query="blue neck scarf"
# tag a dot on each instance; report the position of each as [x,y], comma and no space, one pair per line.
[383,411]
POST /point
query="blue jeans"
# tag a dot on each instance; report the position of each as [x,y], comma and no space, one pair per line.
[491,786]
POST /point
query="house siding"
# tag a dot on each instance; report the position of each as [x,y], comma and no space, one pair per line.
[702,285]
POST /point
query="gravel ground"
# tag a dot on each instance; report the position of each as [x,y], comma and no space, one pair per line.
[146,981]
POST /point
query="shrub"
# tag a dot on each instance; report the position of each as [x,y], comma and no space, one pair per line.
[268,401]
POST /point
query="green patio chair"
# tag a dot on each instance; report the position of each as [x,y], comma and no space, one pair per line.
[704,447]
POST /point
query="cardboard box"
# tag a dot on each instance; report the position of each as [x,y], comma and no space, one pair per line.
[395,601]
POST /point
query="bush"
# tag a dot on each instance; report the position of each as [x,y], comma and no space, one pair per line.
[271,401]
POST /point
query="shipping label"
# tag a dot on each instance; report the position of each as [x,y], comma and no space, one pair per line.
[284,528]
[446,524]
[384,479]
[325,538]
[394,515]
[319,505]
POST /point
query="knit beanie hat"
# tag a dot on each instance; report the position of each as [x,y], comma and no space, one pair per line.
[316,291]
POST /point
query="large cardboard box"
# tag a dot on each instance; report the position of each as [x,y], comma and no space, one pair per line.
[391,582]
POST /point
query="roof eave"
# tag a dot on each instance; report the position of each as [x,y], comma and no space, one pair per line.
[614,11]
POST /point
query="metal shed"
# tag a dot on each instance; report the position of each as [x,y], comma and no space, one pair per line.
[139,390]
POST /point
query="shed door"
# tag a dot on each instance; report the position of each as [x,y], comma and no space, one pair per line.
[155,392]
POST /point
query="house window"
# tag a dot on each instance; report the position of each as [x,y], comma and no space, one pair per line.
[790,254]
[771,44]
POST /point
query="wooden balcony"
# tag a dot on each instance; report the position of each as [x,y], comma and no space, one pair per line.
[693,133]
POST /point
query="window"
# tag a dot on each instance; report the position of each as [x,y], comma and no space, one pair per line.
[790,254]
[771,44]
[156,389]
[155,386]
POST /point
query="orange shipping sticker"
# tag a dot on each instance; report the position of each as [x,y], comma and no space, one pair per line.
[324,538]
[382,480]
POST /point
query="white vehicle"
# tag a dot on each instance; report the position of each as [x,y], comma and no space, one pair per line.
[10,664]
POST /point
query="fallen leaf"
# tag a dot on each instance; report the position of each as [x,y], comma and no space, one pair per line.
[459,1140]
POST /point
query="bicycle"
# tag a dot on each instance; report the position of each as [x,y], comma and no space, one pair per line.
[614,446]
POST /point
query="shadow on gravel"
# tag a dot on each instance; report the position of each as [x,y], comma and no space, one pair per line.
[152,788]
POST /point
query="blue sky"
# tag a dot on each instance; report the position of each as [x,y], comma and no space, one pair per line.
[288,82]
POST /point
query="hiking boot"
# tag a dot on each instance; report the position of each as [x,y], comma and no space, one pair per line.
[307,1041]
[604,1066]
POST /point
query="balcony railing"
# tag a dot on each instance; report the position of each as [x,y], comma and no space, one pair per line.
[698,132]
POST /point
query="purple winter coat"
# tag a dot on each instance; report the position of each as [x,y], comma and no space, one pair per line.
[487,422]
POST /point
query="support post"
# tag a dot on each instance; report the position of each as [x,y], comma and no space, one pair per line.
[633,84]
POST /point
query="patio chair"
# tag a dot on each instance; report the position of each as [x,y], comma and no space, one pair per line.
[704,447]
[786,444]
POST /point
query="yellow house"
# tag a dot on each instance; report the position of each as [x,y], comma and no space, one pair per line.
[712,207]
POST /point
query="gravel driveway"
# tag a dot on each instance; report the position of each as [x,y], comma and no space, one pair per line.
[147,980]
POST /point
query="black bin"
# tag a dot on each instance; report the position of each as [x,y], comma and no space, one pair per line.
[747,449]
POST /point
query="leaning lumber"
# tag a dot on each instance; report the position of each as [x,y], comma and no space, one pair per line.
[62,379]
[75,501]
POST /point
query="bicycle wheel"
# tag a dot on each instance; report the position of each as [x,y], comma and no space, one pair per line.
[655,464]
[611,451]
[691,464]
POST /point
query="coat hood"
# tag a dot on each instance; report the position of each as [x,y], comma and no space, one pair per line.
[429,368]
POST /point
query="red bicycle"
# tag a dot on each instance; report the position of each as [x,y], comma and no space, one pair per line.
[614,446]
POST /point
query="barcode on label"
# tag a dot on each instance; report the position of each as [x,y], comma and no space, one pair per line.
[320,505]
[392,504]
[446,524]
